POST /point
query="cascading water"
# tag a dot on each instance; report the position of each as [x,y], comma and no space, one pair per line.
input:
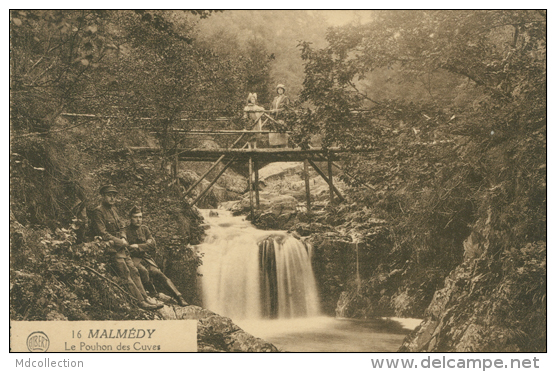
[253,274]
[264,281]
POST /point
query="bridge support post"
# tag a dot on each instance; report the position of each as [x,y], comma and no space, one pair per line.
[330,182]
[251,187]
[307,187]
[257,199]
[321,173]
[175,167]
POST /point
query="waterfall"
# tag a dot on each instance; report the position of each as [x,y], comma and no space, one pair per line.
[252,274]
[357,274]
[356,239]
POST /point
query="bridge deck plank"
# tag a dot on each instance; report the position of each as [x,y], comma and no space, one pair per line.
[262,154]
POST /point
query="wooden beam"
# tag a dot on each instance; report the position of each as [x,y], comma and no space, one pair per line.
[92,116]
[245,159]
[215,119]
[233,151]
[251,187]
[307,187]
[175,167]
[257,198]
[213,182]
[221,132]
[211,168]
[243,154]
[321,173]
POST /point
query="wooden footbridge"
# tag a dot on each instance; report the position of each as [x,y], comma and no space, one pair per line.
[255,157]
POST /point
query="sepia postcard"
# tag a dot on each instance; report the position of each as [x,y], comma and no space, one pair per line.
[329,181]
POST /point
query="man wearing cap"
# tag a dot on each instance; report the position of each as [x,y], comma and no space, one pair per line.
[107,225]
[141,242]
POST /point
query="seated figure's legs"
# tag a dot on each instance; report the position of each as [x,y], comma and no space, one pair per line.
[144,275]
[134,274]
[123,272]
[128,272]
[158,275]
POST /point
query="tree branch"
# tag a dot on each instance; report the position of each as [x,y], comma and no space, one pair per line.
[365,96]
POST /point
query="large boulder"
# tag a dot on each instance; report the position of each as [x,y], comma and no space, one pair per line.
[275,204]
[279,171]
[216,333]
[233,182]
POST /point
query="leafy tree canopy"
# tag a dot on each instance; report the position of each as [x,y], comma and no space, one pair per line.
[133,68]
[453,104]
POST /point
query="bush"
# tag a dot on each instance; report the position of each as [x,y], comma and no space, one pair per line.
[51,277]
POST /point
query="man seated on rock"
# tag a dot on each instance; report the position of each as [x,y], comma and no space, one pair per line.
[107,225]
[141,242]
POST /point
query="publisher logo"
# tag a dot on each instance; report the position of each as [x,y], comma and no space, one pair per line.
[38,342]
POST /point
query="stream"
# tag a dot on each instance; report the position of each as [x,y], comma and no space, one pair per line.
[263,281]
[328,334]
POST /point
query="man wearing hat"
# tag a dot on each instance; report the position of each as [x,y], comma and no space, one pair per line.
[107,225]
[141,242]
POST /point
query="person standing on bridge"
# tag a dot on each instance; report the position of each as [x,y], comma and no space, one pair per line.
[280,102]
[107,225]
[252,113]
[141,242]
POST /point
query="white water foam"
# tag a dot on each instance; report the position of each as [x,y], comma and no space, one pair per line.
[232,270]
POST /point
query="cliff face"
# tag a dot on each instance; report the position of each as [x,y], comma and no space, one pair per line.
[488,305]
[368,279]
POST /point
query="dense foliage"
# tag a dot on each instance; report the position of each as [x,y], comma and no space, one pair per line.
[130,76]
[453,106]
[125,69]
